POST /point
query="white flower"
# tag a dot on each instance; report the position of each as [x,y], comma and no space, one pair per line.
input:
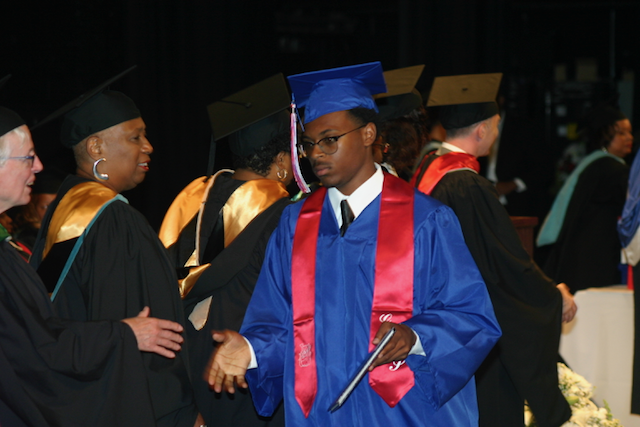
[578,392]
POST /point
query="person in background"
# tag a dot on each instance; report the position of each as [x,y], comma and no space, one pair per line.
[58,372]
[29,217]
[403,130]
[435,135]
[7,235]
[217,231]
[361,255]
[98,256]
[529,306]
[7,222]
[581,224]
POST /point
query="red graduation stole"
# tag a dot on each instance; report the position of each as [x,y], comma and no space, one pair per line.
[392,295]
[439,168]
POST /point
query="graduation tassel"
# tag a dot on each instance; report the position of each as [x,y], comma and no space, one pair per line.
[295,158]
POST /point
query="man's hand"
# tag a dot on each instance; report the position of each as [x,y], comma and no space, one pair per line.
[229,362]
[398,347]
[569,307]
[156,335]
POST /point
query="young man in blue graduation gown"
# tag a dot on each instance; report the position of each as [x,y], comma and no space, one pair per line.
[327,294]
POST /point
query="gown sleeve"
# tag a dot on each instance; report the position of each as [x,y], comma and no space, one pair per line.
[527,303]
[60,372]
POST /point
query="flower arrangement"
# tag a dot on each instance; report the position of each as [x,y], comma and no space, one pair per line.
[578,392]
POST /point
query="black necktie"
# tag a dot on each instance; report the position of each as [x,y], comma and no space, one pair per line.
[347,216]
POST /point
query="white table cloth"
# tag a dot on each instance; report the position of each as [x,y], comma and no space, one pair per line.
[598,344]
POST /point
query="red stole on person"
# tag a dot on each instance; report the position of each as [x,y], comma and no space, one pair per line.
[441,166]
[392,295]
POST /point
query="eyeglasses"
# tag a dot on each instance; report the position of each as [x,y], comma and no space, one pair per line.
[327,145]
[26,159]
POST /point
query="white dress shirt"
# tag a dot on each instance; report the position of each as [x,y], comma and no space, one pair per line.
[358,201]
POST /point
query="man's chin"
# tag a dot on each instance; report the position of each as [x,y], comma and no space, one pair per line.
[327,182]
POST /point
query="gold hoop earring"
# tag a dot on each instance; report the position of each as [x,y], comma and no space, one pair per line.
[99,176]
[284,175]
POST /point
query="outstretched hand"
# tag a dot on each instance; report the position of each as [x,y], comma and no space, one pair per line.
[229,362]
[398,347]
[156,335]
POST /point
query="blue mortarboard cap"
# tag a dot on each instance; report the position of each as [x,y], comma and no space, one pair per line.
[337,89]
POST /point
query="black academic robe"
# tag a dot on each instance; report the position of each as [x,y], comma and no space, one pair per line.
[121,268]
[587,252]
[63,373]
[230,280]
[527,304]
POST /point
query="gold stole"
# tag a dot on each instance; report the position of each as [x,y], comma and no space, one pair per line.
[75,211]
[246,203]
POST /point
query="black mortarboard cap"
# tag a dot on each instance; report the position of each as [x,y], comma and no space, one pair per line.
[4,80]
[9,120]
[337,89]
[465,99]
[93,111]
[401,97]
[252,116]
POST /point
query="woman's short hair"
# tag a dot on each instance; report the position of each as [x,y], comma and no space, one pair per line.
[404,145]
[599,127]
[261,160]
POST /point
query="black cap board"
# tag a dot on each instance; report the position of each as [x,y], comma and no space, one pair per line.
[248,106]
[93,111]
[4,80]
[465,99]
[401,97]
[250,117]
[9,120]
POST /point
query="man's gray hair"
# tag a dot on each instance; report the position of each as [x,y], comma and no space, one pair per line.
[5,148]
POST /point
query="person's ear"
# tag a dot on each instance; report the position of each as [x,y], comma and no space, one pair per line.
[369,134]
[280,160]
[481,131]
[95,147]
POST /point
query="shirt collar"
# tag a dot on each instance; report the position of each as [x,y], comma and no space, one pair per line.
[451,147]
[360,198]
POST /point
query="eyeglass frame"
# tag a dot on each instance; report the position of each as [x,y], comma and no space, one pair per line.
[31,158]
[322,141]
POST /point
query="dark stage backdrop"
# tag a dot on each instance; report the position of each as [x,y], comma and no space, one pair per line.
[192,53]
